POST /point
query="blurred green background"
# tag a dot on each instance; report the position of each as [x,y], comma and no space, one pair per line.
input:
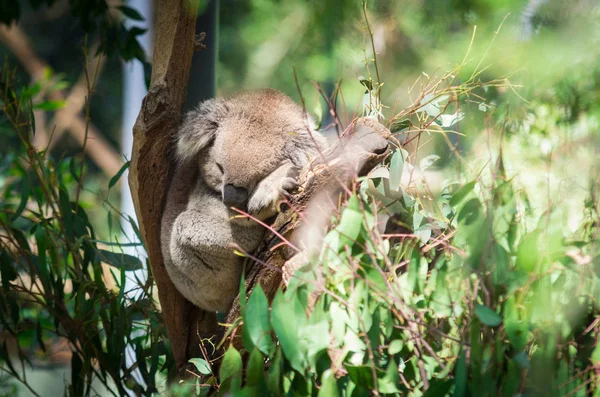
[544,117]
[548,49]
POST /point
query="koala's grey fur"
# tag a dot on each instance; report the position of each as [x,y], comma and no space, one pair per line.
[253,141]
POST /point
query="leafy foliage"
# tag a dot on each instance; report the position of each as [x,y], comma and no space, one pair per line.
[455,295]
[94,17]
[486,286]
[59,283]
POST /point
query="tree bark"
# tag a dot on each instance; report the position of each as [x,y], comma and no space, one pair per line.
[150,161]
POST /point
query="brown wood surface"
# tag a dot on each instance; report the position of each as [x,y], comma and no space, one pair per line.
[150,161]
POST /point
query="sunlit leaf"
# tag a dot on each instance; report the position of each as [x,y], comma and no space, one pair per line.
[460,195]
[487,316]
[396,168]
[287,317]
[201,365]
[49,105]
[399,125]
[432,105]
[428,161]
[328,385]
[256,321]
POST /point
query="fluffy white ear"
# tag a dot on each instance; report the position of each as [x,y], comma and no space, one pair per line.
[199,127]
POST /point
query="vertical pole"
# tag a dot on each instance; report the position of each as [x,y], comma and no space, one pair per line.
[134,91]
[203,77]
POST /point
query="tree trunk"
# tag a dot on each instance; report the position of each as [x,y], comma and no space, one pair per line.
[150,161]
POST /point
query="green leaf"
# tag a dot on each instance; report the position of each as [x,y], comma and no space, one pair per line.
[231,369]
[399,125]
[120,260]
[131,13]
[387,383]
[201,365]
[395,346]
[255,374]
[287,317]
[487,316]
[366,82]
[7,270]
[470,212]
[438,388]
[460,375]
[256,322]
[350,224]
[4,356]
[113,181]
[41,238]
[361,375]
[460,195]
[49,105]
[528,253]
[274,378]
[428,161]
[516,323]
[328,385]
[25,190]
[396,168]
[522,359]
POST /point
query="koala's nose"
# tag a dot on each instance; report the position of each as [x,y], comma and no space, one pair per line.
[234,196]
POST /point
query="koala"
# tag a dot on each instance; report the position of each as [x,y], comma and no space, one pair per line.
[239,152]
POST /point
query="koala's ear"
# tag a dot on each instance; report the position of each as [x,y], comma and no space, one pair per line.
[199,127]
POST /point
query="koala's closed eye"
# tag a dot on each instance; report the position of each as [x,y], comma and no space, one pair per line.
[220,167]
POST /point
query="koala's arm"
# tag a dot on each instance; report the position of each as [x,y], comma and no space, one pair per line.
[270,190]
[195,237]
[203,267]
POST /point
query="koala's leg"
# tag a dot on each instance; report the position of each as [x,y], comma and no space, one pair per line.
[207,271]
[268,192]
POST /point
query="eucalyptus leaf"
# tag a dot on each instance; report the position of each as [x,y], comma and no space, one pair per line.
[113,181]
[399,125]
[428,161]
[120,260]
[460,195]
[201,365]
[328,385]
[287,317]
[487,316]
[256,321]
[231,366]
[396,168]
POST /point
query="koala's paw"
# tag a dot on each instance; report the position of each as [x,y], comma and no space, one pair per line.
[290,182]
[270,190]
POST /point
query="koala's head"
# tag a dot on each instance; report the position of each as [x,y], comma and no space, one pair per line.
[239,141]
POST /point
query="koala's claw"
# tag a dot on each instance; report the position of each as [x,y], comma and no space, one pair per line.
[290,182]
[288,185]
